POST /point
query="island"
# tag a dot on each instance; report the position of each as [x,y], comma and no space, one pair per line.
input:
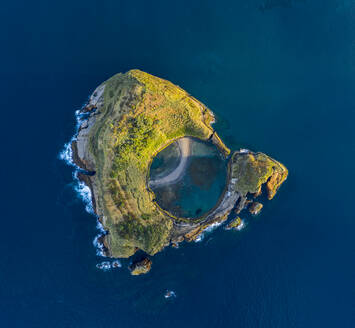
[127,121]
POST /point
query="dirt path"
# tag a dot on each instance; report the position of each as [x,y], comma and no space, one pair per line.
[184,146]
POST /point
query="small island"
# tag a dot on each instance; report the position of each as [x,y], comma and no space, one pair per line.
[128,120]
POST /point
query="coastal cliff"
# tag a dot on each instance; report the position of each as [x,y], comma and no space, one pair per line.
[128,120]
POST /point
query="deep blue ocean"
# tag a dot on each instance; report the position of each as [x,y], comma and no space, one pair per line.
[280,77]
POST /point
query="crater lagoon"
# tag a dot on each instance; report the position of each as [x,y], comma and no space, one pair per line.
[188,177]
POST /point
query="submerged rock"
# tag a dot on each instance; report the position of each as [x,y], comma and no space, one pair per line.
[141,267]
[170,294]
[116,264]
[255,208]
[104,266]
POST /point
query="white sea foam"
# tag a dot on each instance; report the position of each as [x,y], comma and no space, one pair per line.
[213,226]
[241,226]
[98,246]
[210,228]
[66,154]
[85,194]
[116,264]
[80,118]
[199,238]
[81,188]
[105,266]
[170,294]
[100,227]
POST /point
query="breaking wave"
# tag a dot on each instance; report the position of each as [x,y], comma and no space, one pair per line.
[210,228]
[170,294]
[84,193]
[107,265]
[82,190]
[66,154]
[241,226]
[98,246]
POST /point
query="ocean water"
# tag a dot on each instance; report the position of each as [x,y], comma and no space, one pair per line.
[280,77]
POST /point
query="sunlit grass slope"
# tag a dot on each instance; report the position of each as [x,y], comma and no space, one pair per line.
[141,115]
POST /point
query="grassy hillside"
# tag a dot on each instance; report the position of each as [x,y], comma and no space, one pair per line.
[141,115]
[252,170]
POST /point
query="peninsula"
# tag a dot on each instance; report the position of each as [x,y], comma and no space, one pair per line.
[128,120]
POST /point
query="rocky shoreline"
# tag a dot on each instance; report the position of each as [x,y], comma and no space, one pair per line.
[85,163]
[183,231]
[188,231]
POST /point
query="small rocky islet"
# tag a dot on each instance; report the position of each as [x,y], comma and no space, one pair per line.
[236,223]
[141,266]
[127,121]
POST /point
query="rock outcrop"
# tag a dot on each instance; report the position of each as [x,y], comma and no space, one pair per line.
[141,267]
[235,223]
[255,208]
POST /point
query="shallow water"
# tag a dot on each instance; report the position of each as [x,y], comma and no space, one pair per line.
[279,76]
[200,186]
[165,161]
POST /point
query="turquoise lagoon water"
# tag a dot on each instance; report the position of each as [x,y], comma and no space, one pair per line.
[201,185]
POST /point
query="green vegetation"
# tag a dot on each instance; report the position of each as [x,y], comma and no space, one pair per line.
[252,170]
[255,208]
[141,267]
[235,223]
[141,115]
